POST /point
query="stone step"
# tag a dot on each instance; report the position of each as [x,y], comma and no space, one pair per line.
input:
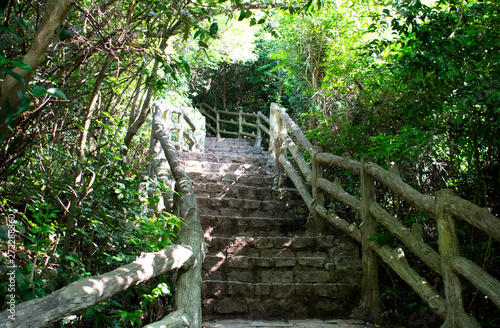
[218,190]
[259,263]
[304,269]
[228,141]
[250,208]
[278,300]
[271,322]
[228,226]
[224,158]
[279,246]
[237,168]
[222,145]
[248,179]
[240,151]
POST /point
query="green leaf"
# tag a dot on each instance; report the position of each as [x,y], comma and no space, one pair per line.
[57,93]
[38,91]
[261,21]
[242,15]
[3,234]
[65,34]
[20,227]
[18,77]
[4,61]
[308,4]
[214,28]
[107,127]
[79,126]
[458,120]
[202,44]
[253,22]
[108,115]
[23,65]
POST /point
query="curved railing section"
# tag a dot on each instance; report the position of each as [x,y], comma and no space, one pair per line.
[221,123]
[294,156]
[183,132]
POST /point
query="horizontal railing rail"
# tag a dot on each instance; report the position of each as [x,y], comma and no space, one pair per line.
[86,292]
[220,121]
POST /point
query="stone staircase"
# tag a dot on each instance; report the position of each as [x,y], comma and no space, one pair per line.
[260,264]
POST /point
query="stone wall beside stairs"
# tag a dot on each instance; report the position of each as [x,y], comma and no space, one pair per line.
[260,264]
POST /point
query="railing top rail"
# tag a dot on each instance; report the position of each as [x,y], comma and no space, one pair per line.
[444,207]
[297,132]
[188,119]
[227,112]
[181,111]
[264,117]
[205,106]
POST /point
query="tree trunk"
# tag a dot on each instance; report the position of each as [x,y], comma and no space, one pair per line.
[79,192]
[55,13]
[134,127]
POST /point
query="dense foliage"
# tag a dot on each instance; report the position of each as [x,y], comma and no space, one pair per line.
[401,82]
[74,140]
[406,82]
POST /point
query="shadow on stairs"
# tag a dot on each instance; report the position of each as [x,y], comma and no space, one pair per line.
[260,265]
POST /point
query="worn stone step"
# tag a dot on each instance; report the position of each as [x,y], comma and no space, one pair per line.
[249,207]
[249,179]
[224,158]
[218,190]
[225,141]
[305,269]
[241,151]
[259,263]
[271,322]
[237,168]
[222,145]
[297,246]
[278,301]
[228,226]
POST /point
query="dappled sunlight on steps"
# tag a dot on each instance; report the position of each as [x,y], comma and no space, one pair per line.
[259,264]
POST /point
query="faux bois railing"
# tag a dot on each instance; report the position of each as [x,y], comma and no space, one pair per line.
[181,128]
[287,146]
[218,123]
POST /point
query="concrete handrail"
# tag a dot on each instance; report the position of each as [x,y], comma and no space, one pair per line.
[444,207]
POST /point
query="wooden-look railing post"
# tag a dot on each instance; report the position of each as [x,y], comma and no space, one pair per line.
[275,149]
[258,140]
[315,222]
[240,124]
[217,123]
[180,136]
[449,249]
[370,306]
